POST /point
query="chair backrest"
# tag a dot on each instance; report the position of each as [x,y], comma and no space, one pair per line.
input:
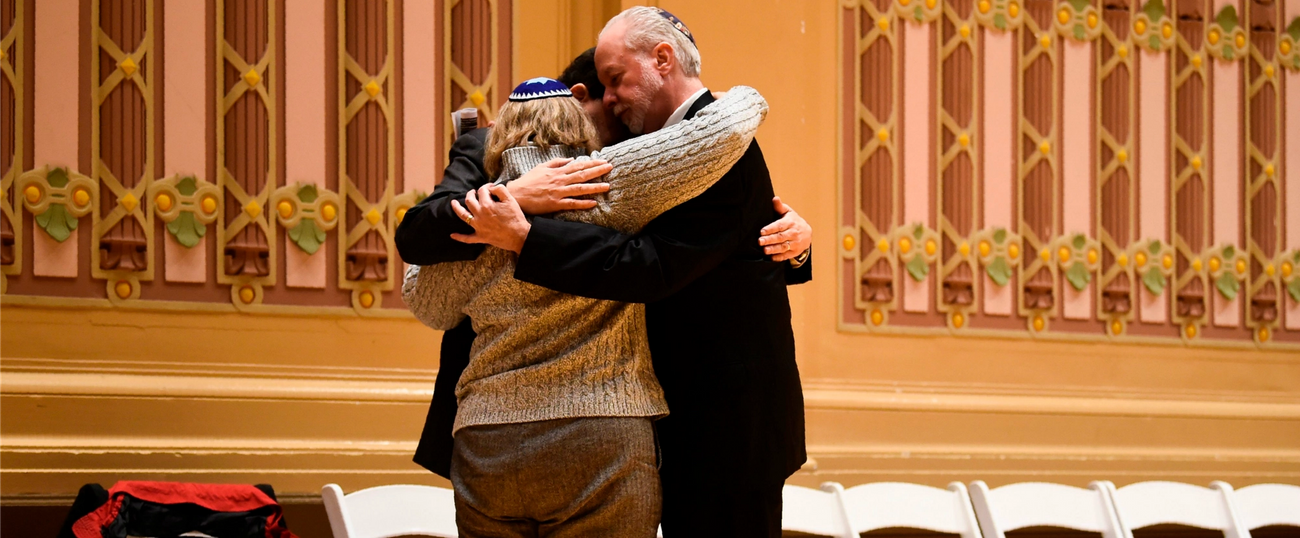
[893,504]
[815,511]
[387,511]
[1262,505]
[1152,503]
[1032,504]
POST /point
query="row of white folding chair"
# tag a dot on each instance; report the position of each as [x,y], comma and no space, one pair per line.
[1101,508]
[833,511]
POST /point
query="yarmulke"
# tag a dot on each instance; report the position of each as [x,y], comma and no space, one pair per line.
[540,88]
[677,23]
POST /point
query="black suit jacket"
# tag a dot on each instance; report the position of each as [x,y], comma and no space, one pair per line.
[718,316]
[424,238]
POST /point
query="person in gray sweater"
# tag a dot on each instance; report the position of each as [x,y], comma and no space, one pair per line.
[554,430]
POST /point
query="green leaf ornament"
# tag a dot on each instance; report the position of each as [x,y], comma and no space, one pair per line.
[57,178]
[1227,285]
[1154,247]
[1227,52]
[187,186]
[1154,9]
[187,229]
[1294,29]
[1154,42]
[1078,276]
[307,194]
[918,15]
[56,220]
[1294,289]
[1000,21]
[1000,272]
[1079,242]
[1154,281]
[918,268]
[1000,235]
[1229,252]
[1227,18]
[1078,32]
[918,232]
[307,236]
[1079,5]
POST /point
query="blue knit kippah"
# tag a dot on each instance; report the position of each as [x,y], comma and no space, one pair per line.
[540,88]
[677,23]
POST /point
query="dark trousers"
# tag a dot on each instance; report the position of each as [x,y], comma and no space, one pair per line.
[704,505]
[568,478]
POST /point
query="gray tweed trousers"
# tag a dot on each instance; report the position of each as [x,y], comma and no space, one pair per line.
[592,476]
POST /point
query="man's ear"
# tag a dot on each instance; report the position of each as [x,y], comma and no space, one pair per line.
[665,58]
[579,91]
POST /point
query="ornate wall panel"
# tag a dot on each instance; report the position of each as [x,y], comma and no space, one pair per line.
[247,127]
[958,161]
[367,148]
[875,184]
[1116,180]
[1037,151]
[1044,248]
[122,154]
[1189,190]
[11,140]
[1263,196]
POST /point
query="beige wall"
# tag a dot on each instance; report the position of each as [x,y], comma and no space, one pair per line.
[92,392]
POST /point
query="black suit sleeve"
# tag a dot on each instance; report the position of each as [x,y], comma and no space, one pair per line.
[424,236]
[801,274]
[673,250]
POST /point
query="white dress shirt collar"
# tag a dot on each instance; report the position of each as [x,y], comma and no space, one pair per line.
[680,113]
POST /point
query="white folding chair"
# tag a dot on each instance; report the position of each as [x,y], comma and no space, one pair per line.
[1262,505]
[1152,503]
[895,504]
[815,511]
[388,511]
[1033,504]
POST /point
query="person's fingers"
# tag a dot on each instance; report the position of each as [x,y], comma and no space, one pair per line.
[484,196]
[584,164]
[590,173]
[502,193]
[784,246]
[462,212]
[568,204]
[467,238]
[780,206]
[557,162]
[788,255]
[777,232]
[582,189]
[471,202]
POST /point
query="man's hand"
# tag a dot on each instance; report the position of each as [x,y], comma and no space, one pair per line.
[497,223]
[554,185]
[788,237]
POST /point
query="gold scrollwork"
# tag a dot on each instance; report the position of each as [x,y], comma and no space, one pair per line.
[1078,20]
[57,198]
[1000,14]
[306,212]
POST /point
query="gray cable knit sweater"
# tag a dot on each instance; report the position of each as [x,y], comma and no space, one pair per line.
[543,355]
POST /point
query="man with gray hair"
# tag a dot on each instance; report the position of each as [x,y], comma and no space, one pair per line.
[717,312]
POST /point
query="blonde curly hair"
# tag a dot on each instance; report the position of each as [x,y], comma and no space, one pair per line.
[544,122]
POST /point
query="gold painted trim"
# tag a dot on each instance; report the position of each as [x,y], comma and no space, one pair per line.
[191,306]
[13,69]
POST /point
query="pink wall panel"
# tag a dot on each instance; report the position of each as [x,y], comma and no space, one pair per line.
[1225,164]
[420,82]
[185,117]
[1153,167]
[999,162]
[918,153]
[55,137]
[1291,165]
[305,121]
[1076,161]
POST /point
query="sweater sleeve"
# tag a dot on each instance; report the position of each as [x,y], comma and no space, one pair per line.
[438,294]
[658,171]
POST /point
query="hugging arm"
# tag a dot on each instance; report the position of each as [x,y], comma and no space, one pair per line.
[437,294]
[656,172]
[424,236]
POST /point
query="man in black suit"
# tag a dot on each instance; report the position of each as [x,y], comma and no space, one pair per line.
[717,311]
